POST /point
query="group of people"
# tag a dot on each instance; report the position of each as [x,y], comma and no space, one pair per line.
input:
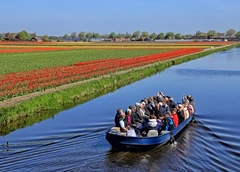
[157,113]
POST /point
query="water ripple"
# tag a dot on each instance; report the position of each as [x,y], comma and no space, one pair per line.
[207,73]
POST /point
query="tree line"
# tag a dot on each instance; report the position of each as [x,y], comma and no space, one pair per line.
[137,35]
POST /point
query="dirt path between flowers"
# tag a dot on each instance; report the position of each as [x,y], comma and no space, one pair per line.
[17,100]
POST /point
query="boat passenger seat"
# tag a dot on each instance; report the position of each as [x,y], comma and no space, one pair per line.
[115,129]
[152,133]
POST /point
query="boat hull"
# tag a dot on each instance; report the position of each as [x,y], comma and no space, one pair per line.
[124,142]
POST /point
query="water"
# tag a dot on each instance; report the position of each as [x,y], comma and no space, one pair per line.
[74,140]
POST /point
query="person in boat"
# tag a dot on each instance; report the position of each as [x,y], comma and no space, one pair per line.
[191,102]
[137,118]
[170,102]
[141,110]
[174,116]
[184,99]
[117,116]
[130,119]
[164,106]
[145,107]
[160,96]
[150,104]
[180,113]
[157,111]
[121,120]
[168,122]
[186,110]
[152,124]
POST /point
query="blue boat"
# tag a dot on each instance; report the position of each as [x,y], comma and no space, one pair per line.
[122,142]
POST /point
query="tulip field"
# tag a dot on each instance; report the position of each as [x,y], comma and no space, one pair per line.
[31,67]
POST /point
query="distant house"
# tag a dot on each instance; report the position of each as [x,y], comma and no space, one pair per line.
[203,36]
[107,39]
[95,40]
[36,39]
[122,39]
[220,35]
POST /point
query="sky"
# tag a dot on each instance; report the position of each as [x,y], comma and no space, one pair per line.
[59,17]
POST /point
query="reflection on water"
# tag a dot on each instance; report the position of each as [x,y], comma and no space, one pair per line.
[74,140]
[207,73]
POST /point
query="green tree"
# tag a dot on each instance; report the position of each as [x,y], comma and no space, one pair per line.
[169,35]
[153,36]
[178,36]
[81,35]
[211,33]
[66,36]
[136,34]
[74,35]
[160,36]
[23,35]
[32,35]
[120,35]
[145,34]
[53,38]
[45,38]
[231,32]
[112,35]
[128,35]
[89,35]
[96,35]
[237,34]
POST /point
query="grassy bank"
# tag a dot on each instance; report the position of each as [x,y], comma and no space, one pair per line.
[46,106]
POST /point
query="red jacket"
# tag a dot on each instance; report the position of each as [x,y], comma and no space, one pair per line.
[175,119]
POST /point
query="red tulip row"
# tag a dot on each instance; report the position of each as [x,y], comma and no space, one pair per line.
[38,49]
[16,84]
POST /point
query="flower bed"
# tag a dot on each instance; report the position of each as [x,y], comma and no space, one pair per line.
[16,84]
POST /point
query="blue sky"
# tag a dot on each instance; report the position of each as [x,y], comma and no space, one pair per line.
[58,17]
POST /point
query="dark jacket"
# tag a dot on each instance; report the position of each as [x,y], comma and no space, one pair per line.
[164,108]
[171,104]
[168,123]
[180,114]
[117,119]
[158,113]
[137,117]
